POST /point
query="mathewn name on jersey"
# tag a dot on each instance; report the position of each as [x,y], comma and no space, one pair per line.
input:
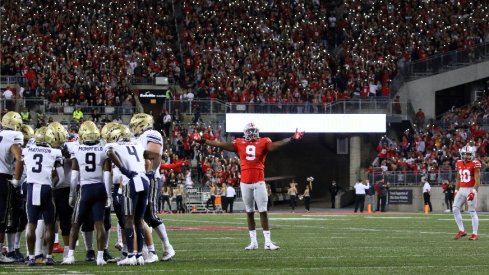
[39,150]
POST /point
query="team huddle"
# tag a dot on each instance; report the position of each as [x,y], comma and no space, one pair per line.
[48,176]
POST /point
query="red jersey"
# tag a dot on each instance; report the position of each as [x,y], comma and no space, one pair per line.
[252,155]
[466,172]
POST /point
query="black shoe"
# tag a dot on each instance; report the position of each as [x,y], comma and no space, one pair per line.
[19,255]
[49,261]
[12,256]
[107,257]
[31,262]
[90,256]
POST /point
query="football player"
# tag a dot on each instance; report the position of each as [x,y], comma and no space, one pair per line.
[11,140]
[128,156]
[252,151]
[142,126]
[40,161]
[18,216]
[467,183]
[87,170]
[61,192]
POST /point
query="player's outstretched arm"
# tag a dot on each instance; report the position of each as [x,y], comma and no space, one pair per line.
[277,144]
[224,145]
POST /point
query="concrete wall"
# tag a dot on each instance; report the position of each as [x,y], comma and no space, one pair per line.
[421,92]
[437,200]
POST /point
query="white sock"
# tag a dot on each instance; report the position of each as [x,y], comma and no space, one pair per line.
[475,222]
[151,248]
[107,239]
[458,218]
[65,252]
[88,239]
[10,241]
[56,238]
[253,236]
[100,255]
[71,253]
[38,250]
[18,236]
[266,234]
[119,234]
[161,231]
[124,248]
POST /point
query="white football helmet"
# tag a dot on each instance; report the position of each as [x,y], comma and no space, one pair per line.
[467,153]
[251,132]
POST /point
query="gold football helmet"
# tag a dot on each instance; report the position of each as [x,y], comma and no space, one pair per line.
[140,122]
[60,133]
[89,132]
[12,120]
[27,131]
[44,135]
[107,128]
[118,133]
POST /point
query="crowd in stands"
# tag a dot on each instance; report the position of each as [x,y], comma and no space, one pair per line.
[433,147]
[239,51]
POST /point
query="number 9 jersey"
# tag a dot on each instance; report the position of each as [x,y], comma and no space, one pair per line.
[466,172]
[252,155]
[90,160]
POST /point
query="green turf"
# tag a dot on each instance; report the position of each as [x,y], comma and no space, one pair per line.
[310,244]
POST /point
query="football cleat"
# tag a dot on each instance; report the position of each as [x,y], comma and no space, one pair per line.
[151,258]
[5,259]
[39,259]
[460,234]
[58,248]
[31,262]
[271,246]
[101,262]
[140,260]
[68,260]
[168,254]
[128,261]
[118,246]
[12,255]
[473,237]
[107,257]
[252,246]
[90,257]
[49,261]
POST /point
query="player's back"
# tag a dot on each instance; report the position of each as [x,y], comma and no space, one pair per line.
[131,154]
[150,136]
[7,139]
[39,162]
[90,160]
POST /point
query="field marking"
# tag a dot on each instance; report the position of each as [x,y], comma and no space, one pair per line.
[306,219]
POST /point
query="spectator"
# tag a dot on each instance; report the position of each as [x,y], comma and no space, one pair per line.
[420,119]
[26,115]
[78,115]
[8,95]
[230,196]
[292,192]
[448,190]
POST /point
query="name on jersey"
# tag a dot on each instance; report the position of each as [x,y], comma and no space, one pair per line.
[86,149]
[39,150]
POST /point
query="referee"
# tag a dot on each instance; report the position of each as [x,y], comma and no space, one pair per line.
[360,191]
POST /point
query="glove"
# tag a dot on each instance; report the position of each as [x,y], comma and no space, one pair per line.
[128,173]
[471,195]
[108,202]
[15,183]
[297,135]
[150,175]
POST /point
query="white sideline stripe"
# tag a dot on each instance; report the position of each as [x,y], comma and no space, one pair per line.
[462,219]
[247,270]
[306,219]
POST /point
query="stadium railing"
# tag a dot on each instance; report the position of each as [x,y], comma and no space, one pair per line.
[12,79]
[410,178]
[369,105]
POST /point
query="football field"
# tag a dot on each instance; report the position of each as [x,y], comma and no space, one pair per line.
[313,243]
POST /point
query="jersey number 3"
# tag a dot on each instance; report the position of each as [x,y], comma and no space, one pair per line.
[250,152]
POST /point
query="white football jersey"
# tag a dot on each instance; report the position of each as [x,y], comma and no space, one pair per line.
[7,139]
[116,173]
[151,136]
[39,163]
[90,162]
[30,142]
[131,155]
